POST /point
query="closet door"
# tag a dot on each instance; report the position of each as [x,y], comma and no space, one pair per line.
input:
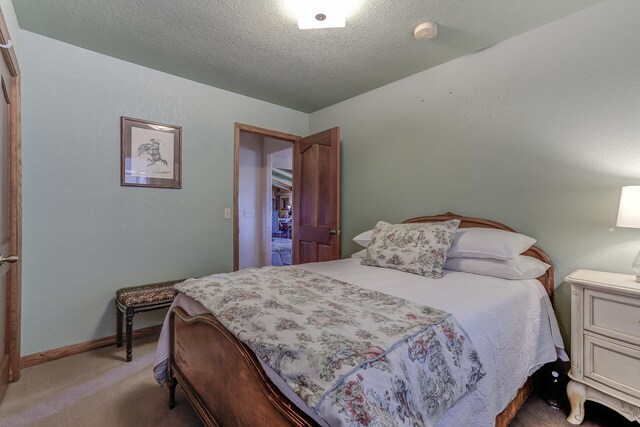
[316,197]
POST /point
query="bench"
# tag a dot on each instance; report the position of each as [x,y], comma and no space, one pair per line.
[138,299]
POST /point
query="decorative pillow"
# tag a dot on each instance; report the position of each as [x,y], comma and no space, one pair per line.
[520,268]
[413,248]
[488,243]
[363,239]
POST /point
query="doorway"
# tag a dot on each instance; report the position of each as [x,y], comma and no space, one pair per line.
[279,178]
[311,211]
[263,197]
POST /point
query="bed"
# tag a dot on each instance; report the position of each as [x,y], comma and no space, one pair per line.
[220,375]
[281,251]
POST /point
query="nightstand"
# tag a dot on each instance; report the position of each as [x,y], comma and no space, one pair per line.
[605,343]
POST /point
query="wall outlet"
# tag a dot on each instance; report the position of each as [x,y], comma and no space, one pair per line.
[227,213]
[249,212]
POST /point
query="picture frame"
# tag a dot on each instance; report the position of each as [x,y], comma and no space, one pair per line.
[150,154]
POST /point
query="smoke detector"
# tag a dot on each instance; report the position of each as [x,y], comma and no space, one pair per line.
[425,31]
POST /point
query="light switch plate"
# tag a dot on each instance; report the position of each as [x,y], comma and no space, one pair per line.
[227,213]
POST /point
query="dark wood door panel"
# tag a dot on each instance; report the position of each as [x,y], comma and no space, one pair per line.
[326,188]
[320,138]
[316,195]
[307,251]
[325,253]
[315,234]
[308,192]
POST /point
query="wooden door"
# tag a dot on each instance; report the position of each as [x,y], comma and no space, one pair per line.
[316,197]
[6,227]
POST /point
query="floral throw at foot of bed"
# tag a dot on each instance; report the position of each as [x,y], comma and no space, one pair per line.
[357,357]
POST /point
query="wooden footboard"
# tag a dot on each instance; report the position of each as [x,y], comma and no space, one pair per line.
[222,378]
[504,418]
[227,386]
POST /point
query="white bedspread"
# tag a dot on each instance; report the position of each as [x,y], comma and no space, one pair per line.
[510,322]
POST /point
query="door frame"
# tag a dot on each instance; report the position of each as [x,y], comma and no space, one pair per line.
[14,283]
[240,127]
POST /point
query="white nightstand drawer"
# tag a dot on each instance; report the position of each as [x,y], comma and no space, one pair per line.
[615,316]
[605,341]
[611,364]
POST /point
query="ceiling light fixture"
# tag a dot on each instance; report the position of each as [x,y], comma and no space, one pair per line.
[322,13]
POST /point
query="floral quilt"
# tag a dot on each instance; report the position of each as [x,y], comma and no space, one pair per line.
[356,356]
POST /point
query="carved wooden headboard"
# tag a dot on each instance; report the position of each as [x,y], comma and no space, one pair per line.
[466,222]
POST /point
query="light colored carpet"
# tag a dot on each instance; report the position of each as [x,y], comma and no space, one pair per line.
[95,389]
[99,389]
[536,413]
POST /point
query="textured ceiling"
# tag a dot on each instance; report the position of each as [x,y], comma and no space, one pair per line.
[254,47]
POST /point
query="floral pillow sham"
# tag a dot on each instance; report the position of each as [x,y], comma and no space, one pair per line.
[413,248]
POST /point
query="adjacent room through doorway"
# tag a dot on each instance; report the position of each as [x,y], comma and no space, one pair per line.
[264,199]
[281,174]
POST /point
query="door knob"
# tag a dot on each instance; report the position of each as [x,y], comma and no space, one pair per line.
[10,259]
[333,232]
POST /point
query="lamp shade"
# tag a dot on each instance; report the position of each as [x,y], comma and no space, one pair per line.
[629,210]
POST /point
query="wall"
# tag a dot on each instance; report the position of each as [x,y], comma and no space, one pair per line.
[250,197]
[539,132]
[86,236]
[284,158]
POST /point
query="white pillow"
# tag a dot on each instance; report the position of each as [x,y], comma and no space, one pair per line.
[477,243]
[363,239]
[488,243]
[520,268]
[359,254]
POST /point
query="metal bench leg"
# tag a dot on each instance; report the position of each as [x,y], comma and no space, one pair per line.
[129,322]
[118,326]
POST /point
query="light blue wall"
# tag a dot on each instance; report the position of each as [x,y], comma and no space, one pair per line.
[84,234]
[539,132]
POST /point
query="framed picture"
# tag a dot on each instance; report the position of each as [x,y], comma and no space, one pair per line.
[150,154]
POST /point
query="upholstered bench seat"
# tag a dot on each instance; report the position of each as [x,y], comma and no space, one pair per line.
[137,299]
[146,294]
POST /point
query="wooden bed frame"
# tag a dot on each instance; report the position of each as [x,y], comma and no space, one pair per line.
[238,392]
